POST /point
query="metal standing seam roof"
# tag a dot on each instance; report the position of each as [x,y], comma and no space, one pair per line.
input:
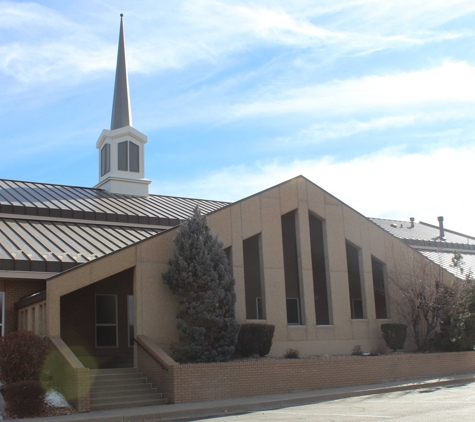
[68,230]
[53,246]
[444,259]
[425,238]
[59,201]
[422,232]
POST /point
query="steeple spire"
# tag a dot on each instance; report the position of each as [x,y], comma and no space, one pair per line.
[121,113]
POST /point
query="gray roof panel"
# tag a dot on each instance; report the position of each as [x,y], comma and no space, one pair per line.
[444,259]
[424,234]
[54,246]
[58,201]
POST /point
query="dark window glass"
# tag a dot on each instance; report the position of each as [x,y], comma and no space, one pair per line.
[252,277]
[122,156]
[131,336]
[133,157]
[354,281]
[106,311]
[322,310]
[106,336]
[130,316]
[293,311]
[105,159]
[1,309]
[291,264]
[379,290]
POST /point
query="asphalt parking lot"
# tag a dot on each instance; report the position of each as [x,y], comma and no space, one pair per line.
[442,403]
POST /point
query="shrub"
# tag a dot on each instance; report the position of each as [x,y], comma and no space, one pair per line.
[357,351]
[255,339]
[381,349]
[199,274]
[24,399]
[292,354]
[22,356]
[394,335]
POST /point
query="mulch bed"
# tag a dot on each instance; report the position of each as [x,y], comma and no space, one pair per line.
[48,411]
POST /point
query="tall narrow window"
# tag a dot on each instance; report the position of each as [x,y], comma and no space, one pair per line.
[379,290]
[228,253]
[322,311]
[130,319]
[2,313]
[291,268]
[105,159]
[106,320]
[354,281]
[252,278]
[128,157]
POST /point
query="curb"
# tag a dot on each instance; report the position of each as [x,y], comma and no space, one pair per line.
[219,408]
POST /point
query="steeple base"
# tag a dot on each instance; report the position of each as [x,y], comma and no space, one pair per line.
[125,186]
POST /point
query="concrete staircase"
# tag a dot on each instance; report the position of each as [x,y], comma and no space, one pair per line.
[120,388]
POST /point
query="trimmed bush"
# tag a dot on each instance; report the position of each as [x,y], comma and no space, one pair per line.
[394,335]
[24,399]
[292,354]
[255,339]
[22,356]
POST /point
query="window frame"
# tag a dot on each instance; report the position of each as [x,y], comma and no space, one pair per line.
[107,325]
[127,159]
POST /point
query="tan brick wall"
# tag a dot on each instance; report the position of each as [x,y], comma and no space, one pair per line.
[160,378]
[203,382]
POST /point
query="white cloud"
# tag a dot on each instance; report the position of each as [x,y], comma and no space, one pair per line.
[387,184]
[450,83]
[333,130]
[40,44]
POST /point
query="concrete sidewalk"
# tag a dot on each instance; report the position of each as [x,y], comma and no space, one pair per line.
[193,411]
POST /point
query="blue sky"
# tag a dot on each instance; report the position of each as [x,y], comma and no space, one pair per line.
[371,100]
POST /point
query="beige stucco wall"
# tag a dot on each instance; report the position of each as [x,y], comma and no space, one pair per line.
[156,306]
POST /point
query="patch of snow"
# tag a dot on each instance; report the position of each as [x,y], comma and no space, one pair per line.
[55,399]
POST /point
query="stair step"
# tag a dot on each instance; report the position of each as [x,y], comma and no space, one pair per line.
[117,376]
[112,371]
[127,404]
[125,398]
[118,390]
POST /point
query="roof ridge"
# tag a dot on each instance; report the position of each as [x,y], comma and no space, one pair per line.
[109,193]
[447,230]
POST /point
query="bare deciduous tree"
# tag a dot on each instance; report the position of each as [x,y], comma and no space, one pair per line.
[420,297]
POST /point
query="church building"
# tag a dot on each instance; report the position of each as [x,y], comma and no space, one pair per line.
[83,266]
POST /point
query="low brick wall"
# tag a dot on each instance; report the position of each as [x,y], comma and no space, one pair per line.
[214,381]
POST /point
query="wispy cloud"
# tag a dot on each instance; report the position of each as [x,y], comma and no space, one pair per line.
[40,44]
[449,83]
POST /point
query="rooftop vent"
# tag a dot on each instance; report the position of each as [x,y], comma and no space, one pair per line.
[412,223]
[441,228]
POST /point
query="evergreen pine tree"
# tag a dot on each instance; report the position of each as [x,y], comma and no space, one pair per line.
[199,273]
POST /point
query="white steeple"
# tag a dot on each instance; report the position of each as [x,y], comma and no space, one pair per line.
[122,148]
